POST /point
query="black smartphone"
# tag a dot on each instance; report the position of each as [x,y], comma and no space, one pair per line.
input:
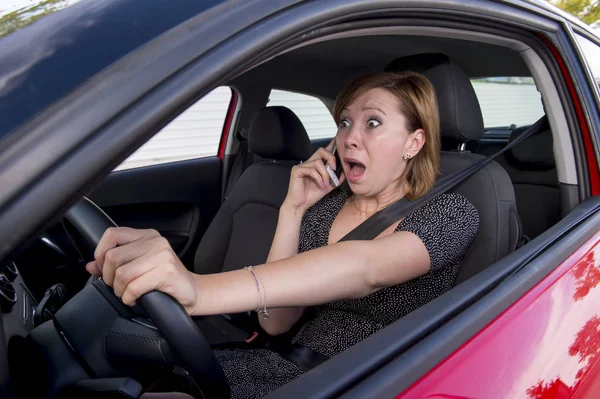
[335,175]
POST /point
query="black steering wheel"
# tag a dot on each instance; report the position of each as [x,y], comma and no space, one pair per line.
[190,349]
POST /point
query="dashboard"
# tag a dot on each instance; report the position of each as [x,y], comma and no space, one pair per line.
[34,284]
[17,312]
[17,305]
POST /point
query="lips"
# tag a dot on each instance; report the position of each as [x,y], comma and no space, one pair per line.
[356,169]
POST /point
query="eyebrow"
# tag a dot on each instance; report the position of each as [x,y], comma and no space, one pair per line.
[375,108]
[365,108]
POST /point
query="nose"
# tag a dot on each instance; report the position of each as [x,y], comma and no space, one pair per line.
[352,139]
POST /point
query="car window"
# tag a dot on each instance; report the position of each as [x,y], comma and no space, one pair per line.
[508,102]
[311,111]
[591,51]
[193,134]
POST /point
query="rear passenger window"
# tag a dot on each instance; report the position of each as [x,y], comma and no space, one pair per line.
[193,134]
[508,102]
[311,111]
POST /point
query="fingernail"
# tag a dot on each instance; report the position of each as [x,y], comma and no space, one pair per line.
[333,166]
[100,267]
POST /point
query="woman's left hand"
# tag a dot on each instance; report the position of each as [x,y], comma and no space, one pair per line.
[135,262]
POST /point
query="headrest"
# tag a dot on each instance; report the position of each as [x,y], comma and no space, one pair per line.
[535,153]
[460,114]
[277,133]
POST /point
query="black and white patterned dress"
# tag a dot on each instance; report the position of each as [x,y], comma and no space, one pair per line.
[446,225]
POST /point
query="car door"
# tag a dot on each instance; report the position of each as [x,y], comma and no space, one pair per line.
[173,183]
[25,213]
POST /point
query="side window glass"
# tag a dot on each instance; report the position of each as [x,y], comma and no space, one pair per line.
[195,133]
[508,101]
[591,51]
[311,111]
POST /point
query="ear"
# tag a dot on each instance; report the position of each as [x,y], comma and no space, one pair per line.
[416,141]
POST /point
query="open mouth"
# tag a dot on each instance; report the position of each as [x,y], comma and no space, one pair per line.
[356,169]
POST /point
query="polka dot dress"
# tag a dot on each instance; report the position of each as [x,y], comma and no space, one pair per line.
[446,226]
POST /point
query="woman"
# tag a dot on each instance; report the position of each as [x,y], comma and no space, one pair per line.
[388,143]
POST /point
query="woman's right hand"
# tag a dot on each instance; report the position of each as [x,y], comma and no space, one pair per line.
[309,181]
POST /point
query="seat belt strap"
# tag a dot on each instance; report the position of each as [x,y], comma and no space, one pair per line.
[238,166]
[383,219]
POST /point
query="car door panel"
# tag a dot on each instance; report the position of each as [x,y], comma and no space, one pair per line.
[178,199]
[177,222]
[546,345]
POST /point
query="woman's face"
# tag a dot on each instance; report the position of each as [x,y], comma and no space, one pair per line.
[372,139]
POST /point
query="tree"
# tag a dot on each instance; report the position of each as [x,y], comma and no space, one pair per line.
[12,21]
[586,10]
[587,276]
[546,390]
[587,345]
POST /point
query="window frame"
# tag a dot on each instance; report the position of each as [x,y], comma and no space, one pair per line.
[576,31]
[590,118]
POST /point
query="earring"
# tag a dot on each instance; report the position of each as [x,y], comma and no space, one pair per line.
[407,156]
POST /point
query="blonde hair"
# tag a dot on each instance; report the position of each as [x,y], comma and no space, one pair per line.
[418,105]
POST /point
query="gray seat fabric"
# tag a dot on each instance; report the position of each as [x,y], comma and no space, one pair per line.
[532,170]
[490,190]
[243,229]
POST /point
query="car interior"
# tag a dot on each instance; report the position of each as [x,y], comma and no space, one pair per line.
[221,214]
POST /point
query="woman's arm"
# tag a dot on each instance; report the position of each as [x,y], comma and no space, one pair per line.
[346,270]
[138,261]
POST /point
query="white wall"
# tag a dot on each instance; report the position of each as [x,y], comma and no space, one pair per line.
[505,104]
[193,134]
[311,111]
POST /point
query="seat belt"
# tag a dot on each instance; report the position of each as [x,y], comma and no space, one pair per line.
[383,219]
[239,164]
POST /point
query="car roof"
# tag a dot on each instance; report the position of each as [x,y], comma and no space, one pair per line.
[42,61]
[321,69]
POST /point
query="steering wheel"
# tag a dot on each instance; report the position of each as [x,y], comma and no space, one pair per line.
[190,349]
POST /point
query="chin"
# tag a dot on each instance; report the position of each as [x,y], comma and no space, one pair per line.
[358,188]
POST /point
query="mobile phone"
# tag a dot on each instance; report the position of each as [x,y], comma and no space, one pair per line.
[335,175]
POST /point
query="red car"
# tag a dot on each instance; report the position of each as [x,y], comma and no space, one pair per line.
[84,84]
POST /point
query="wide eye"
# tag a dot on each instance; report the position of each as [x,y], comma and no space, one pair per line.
[344,123]
[373,123]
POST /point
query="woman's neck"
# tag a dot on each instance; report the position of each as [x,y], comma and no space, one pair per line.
[371,204]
